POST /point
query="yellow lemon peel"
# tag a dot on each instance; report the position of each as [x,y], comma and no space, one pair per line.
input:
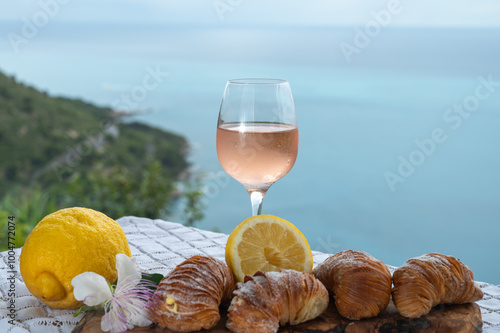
[64,244]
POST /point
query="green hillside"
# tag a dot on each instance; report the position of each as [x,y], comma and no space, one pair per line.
[42,137]
[59,152]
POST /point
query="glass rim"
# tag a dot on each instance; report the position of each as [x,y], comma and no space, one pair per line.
[257,81]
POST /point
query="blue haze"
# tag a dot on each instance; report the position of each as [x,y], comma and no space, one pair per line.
[355,120]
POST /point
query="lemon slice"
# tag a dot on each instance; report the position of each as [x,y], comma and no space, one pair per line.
[267,243]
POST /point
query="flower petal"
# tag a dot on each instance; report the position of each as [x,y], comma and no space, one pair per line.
[91,288]
[128,271]
[115,318]
[139,317]
[112,322]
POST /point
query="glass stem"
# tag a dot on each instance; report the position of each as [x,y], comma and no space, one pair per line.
[257,197]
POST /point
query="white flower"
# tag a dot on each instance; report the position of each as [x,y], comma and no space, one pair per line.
[125,304]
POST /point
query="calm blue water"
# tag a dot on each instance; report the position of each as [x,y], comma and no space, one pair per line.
[389,111]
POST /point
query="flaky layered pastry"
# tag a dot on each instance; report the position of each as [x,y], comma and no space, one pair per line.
[266,300]
[188,298]
[426,281]
[360,284]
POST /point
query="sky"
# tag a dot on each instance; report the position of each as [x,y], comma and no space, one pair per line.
[233,31]
[449,13]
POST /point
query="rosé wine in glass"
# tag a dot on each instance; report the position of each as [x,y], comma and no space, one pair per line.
[257,134]
[258,153]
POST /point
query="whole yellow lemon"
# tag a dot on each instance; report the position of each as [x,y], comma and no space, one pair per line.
[64,244]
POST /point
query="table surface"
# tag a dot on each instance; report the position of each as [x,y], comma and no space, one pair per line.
[158,247]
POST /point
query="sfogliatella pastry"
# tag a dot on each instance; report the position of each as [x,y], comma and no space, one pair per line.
[360,284]
[188,298]
[268,299]
[426,281]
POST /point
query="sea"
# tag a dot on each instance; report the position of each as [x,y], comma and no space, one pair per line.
[399,130]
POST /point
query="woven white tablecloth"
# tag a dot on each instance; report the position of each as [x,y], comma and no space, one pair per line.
[158,247]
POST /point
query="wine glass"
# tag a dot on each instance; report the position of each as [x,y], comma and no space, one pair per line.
[257,134]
